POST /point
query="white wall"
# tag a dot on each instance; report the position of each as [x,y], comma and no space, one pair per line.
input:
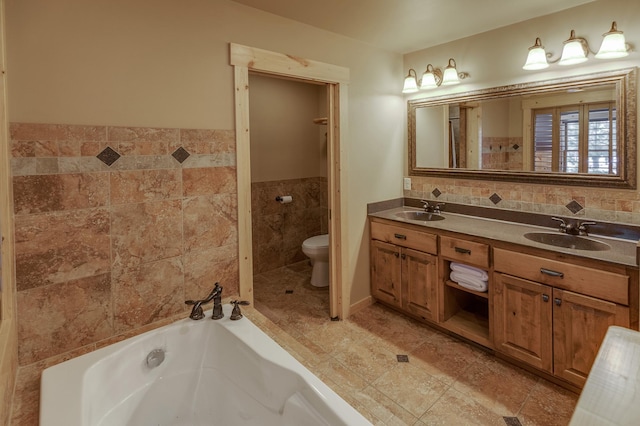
[164,63]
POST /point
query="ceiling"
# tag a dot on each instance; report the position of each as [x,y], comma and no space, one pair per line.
[405,26]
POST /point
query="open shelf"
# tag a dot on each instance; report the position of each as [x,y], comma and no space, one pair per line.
[455,285]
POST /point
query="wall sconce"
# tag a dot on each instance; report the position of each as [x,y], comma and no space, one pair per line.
[576,50]
[433,77]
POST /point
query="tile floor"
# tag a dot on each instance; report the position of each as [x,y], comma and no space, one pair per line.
[444,382]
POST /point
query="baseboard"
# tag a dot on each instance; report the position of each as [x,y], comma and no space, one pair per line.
[367,301]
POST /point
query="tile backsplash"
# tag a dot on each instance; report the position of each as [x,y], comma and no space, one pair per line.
[106,248]
[612,205]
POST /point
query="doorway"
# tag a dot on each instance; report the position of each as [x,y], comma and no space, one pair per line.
[245,59]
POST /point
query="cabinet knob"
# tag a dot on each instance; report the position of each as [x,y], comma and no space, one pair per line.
[545,297]
[557,301]
[400,236]
[396,254]
[404,256]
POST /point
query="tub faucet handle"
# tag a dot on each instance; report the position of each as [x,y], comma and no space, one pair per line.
[196,311]
[236,314]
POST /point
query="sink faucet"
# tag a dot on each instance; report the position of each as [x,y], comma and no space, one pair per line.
[215,295]
[574,228]
[432,208]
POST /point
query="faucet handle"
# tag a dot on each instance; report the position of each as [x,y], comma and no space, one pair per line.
[196,312]
[563,224]
[236,314]
[583,227]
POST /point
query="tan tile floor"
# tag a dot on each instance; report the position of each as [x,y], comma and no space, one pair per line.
[445,382]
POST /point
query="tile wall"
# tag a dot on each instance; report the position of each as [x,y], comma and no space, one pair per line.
[501,153]
[115,227]
[612,205]
[280,229]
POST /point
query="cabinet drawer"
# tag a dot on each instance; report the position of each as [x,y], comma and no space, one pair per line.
[580,279]
[404,237]
[464,251]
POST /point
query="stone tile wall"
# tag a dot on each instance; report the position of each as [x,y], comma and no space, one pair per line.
[110,250]
[280,229]
[501,153]
[611,205]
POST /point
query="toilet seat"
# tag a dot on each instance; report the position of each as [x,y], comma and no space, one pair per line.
[317,242]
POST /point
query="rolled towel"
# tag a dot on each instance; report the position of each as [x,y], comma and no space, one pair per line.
[469,270]
[468,281]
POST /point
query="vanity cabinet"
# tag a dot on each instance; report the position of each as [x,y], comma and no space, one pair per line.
[404,270]
[542,308]
[553,315]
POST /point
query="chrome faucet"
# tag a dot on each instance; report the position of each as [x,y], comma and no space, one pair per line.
[215,295]
[432,208]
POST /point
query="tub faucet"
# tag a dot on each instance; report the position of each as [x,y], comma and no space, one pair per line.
[217,302]
[215,295]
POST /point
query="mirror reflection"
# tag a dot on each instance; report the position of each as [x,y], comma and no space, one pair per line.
[571,131]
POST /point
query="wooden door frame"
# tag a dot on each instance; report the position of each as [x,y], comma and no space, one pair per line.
[245,59]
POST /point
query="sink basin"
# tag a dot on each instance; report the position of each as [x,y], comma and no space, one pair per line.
[567,241]
[419,215]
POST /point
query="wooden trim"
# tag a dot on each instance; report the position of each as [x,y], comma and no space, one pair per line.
[286,65]
[8,322]
[243,174]
[247,59]
[358,306]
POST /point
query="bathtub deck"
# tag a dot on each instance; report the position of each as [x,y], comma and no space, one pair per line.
[445,381]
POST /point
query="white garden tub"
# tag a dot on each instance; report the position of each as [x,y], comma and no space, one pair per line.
[214,373]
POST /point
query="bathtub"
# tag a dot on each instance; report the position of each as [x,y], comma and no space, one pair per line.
[191,373]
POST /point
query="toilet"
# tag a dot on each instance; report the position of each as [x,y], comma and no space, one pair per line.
[317,249]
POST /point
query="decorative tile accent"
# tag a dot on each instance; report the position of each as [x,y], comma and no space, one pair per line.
[516,146]
[436,193]
[512,421]
[108,156]
[180,154]
[574,206]
[495,198]
[402,358]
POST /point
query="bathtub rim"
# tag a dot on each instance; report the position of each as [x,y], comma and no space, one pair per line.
[66,405]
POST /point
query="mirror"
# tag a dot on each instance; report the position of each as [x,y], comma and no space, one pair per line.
[572,131]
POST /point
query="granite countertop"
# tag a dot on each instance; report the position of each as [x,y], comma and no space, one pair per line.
[622,251]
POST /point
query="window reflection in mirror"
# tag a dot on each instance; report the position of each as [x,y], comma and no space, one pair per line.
[577,130]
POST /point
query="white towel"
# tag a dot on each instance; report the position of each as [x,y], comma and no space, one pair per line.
[468,281]
[469,270]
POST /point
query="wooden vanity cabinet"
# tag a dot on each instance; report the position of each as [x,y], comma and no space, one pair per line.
[403,272]
[546,315]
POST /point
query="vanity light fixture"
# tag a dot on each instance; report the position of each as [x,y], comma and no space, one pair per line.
[451,75]
[433,78]
[613,44]
[576,50]
[410,82]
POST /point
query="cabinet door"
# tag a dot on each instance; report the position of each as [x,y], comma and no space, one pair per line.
[579,325]
[386,270]
[419,278]
[523,320]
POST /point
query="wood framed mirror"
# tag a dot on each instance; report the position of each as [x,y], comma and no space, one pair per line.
[573,131]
